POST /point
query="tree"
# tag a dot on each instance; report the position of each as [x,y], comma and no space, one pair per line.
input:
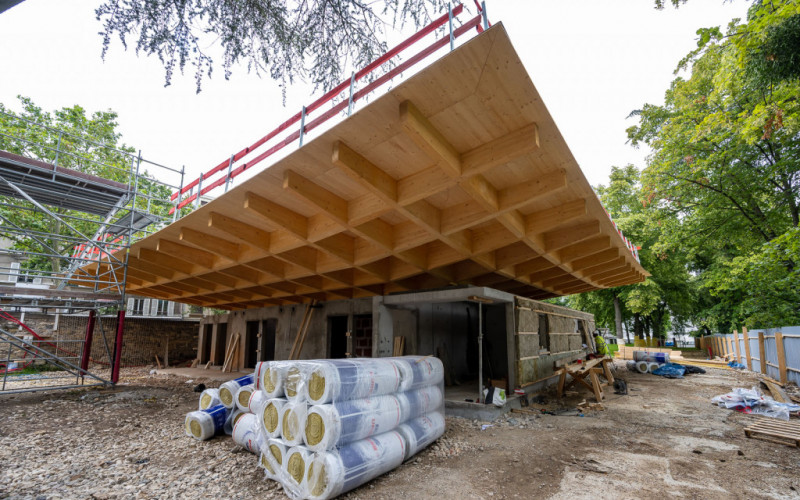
[68,137]
[312,40]
[726,166]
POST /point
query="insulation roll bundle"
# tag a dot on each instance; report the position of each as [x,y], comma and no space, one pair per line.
[242,398]
[344,379]
[293,422]
[294,470]
[271,377]
[653,366]
[233,417]
[264,463]
[294,380]
[227,391]
[419,371]
[245,433]
[204,424]
[270,417]
[641,366]
[421,431]
[256,402]
[272,453]
[421,401]
[343,422]
[209,398]
[258,373]
[332,473]
[651,357]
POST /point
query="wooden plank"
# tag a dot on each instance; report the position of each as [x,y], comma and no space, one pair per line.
[762,355]
[748,359]
[781,358]
[736,345]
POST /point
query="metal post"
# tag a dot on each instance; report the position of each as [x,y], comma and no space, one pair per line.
[480,351]
[118,346]
[352,86]
[450,20]
[178,198]
[302,125]
[199,190]
[87,342]
[485,17]
[228,178]
[8,360]
[58,149]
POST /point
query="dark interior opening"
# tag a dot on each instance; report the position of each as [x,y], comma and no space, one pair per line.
[337,335]
[251,344]
[219,347]
[205,352]
[269,328]
[544,338]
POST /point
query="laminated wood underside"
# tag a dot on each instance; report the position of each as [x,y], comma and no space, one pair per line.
[457,176]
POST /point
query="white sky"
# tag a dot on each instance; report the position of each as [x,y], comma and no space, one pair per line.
[593,61]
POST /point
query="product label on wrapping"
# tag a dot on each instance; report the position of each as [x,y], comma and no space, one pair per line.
[369,458]
[219,414]
[243,381]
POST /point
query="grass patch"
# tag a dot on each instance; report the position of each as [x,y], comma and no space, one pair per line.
[36,368]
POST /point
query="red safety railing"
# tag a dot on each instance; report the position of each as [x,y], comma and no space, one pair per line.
[198,188]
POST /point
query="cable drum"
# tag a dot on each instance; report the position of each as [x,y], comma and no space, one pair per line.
[332,473]
[209,398]
[343,379]
[205,424]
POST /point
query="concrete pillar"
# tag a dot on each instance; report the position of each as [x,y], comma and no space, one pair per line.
[382,329]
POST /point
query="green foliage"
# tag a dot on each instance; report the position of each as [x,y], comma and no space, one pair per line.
[724,175]
[312,40]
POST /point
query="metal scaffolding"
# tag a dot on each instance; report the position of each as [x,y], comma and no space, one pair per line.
[70,207]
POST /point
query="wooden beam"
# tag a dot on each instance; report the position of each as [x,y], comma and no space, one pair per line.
[560,238]
[161,271]
[551,218]
[532,266]
[187,253]
[501,150]
[210,243]
[317,195]
[239,230]
[364,172]
[590,272]
[584,248]
[595,259]
[277,214]
[165,260]
[243,273]
[429,139]
[526,192]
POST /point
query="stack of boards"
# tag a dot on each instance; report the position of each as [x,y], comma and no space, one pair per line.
[324,427]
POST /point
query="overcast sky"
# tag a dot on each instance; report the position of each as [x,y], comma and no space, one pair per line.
[593,62]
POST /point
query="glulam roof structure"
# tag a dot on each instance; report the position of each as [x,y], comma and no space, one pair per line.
[458,176]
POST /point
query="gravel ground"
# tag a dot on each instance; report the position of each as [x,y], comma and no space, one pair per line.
[664,438]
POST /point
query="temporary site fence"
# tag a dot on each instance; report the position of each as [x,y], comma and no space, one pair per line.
[774,352]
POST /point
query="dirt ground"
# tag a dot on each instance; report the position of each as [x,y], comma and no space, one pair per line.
[664,438]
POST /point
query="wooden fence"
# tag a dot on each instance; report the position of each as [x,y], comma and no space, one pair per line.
[774,352]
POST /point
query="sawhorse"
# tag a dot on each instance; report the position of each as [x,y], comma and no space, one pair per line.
[579,372]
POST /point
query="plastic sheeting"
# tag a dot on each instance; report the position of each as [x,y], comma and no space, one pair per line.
[256,402]
[753,401]
[205,424]
[209,398]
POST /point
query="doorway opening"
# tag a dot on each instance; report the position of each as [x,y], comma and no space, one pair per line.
[337,337]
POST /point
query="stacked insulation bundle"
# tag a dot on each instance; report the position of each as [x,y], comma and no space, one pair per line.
[324,427]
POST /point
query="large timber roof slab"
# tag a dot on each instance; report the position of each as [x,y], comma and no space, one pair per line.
[457,176]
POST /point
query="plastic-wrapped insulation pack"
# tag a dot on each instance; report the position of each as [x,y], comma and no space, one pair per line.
[205,424]
[233,417]
[332,473]
[419,371]
[272,452]
[651,357]
[270,417]
[345,379]
[295,468]
[256,402]
[271,376]
[242,398]
[245,433]
[209,398]
[228,390]
[293,422]
[421,431]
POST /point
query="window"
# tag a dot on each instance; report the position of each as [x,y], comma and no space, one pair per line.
[162,308]
[137,309]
